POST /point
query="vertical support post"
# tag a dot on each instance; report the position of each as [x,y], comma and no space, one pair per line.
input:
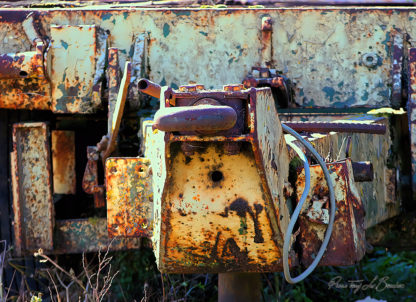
[241,287]
[411,111]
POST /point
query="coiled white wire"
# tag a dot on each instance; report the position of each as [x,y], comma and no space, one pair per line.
[295,215]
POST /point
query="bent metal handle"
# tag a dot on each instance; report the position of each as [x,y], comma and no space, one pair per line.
[195,118]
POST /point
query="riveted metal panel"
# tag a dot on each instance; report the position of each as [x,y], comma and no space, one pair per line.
[129,197]
[32,190]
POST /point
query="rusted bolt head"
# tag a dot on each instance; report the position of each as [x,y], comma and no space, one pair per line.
[191,88]
[250,82]
[233,87]
[370,59]
[266,24]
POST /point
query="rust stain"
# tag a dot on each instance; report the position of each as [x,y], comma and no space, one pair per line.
[88,235]
[347,243]
[90,179]
[63,162]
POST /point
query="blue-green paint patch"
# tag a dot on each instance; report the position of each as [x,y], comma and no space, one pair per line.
[329,93]
[166,30]
[106,16]
[123,51]
[384,93]
[64,44]
[308,103]
[131,51]
[230,61]
[301,93]
[351,100]
[203,33]
[125,15]
[364,97]
[340,84]
[163,82]
[182,13]
[293,52]
[411,18]
[324,13]
[174,86]
[386,43]
[383,27]
[114,21]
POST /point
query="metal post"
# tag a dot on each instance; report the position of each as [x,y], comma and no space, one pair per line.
[239,287]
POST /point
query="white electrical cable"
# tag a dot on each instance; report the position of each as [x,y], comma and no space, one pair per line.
[295,215]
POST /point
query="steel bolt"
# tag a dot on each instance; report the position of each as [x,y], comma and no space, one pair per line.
[233,87]
[370,59]
[191,88]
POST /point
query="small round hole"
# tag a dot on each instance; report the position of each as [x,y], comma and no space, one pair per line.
[23,73]
[142,84]
[216,176]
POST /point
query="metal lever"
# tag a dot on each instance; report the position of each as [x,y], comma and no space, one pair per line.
[203,118]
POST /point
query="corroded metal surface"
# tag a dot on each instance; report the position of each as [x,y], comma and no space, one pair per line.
[199,118]
[77,64]
[117,114]
[149,88]
[379,203]
[63,162]
[88,235]
[306,44]
[113,82]
[397,69]
[129,197]
[347,243]
[218,211]
[23,82]
[411,111]
[32,188]
[90,179]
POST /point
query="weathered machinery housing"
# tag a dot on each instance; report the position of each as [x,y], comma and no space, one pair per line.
[66,73]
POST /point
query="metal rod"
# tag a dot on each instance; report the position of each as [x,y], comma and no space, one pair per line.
[149,88]
[326,127]
[195,118]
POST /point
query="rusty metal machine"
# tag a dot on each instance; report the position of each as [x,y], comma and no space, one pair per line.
[295,148]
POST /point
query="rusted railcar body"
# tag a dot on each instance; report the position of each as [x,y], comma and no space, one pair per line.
[322,63]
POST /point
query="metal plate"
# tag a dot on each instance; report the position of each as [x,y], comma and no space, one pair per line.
[75,56]
[32,190]
[347,244]
[380,204]
[63,162]
[129,197]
